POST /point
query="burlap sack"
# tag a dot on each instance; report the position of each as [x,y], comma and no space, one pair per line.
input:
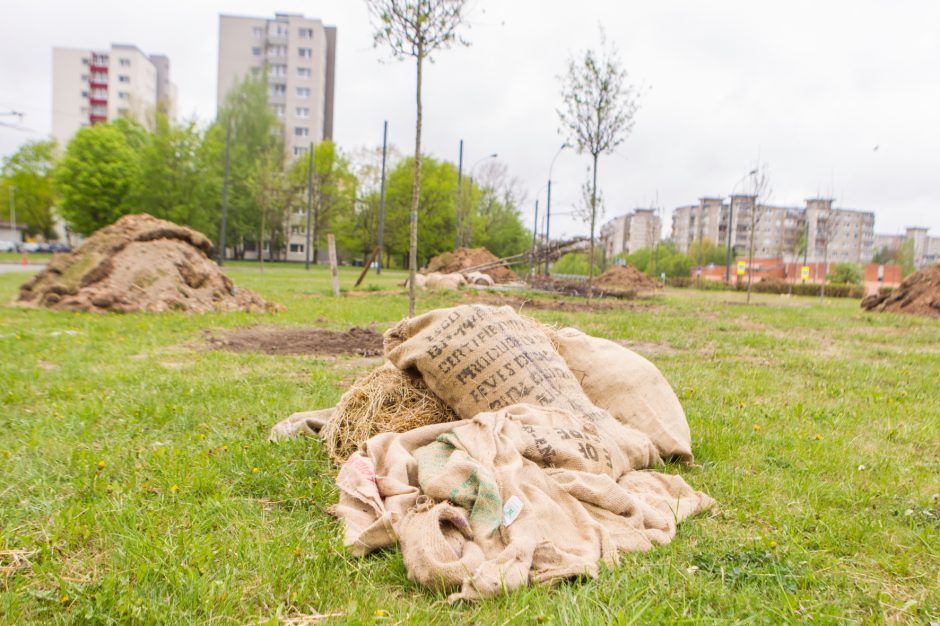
[450,282]
[299,424]
[480,279]
[630,388]
[482,358]
[478,510]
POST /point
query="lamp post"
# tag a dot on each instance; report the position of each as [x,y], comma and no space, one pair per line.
[730,224]
[548,200]
[460,240]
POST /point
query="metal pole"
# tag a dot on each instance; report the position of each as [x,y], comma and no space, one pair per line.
[309,206]
[378,268]
[728,254]
[535,230]
[222,226]
[13,213]
[459,189]
[548,218]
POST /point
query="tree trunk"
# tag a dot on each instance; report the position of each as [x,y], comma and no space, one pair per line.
[415,193]
[261,243]
[590,289]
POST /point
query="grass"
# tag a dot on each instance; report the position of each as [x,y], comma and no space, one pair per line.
[137,485]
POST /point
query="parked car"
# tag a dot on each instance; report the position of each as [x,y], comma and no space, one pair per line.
[7,246]
[58,246]
[31,247]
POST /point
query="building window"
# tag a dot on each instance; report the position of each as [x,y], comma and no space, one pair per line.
[256,51]
[278,91]
[277,51]
[125,62]
[277,29]
[122,111]
[300,150]
[84,60]
[303,92]
[305,33]
[124,78]
[301,131]
[303,112]
[84,77]
[297,247]
[279,110]
[258,32]
[305,53]
[304,72]
[123,95]
[279,71]
[256,71]
[84,94]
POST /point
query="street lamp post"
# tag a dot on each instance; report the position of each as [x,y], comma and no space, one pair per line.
[222,223]
[730,224]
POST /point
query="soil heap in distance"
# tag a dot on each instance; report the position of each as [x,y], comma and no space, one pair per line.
[467,258]
[918,294]
[139,263]
[625,278]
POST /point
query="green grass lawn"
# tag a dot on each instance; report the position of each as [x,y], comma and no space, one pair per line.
[137,484]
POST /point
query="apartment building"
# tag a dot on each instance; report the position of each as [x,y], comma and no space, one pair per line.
[926,249]
[297,55]
[638,229]
[94,86]
[837,234]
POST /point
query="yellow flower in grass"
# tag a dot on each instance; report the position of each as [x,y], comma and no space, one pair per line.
[174,488]
[100,465]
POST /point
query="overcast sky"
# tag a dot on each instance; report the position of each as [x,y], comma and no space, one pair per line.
[836,97]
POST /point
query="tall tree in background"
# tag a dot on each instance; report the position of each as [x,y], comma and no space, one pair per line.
[334,190]
[416,28]
[597,112]
[256,137]
[95,175]
[173,182]
[28,170]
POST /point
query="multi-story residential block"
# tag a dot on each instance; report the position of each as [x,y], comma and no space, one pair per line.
[638,229]
[94,86]
[819,231]
[926,249]
[297,56]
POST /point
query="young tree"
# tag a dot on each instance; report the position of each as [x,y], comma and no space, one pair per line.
[598,106]
[28,171]
[761,190]
[416,28]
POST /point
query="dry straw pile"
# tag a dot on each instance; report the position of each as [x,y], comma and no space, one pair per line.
[385,400]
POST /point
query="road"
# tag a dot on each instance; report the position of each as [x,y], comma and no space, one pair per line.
[6,268]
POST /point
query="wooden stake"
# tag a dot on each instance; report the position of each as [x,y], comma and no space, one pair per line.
[331,243]
[365,270]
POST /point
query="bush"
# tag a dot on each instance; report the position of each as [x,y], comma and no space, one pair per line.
[834,290]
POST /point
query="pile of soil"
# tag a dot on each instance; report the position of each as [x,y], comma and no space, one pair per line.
[467,258]
[918,294]
[139,263]
[626,278]
[286,340]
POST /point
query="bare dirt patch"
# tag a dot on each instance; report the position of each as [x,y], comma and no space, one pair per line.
[626,278]
[363,342]
[139,263]
[568,306]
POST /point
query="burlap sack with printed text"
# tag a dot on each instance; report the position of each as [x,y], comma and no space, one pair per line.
[481,358]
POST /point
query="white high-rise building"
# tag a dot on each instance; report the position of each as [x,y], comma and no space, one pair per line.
[94,86]
[297,54]
[638,229]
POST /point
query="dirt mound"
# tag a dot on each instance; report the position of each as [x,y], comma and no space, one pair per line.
[139,263]
[467,258]
[286,340]
[918,294]
[625,277]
